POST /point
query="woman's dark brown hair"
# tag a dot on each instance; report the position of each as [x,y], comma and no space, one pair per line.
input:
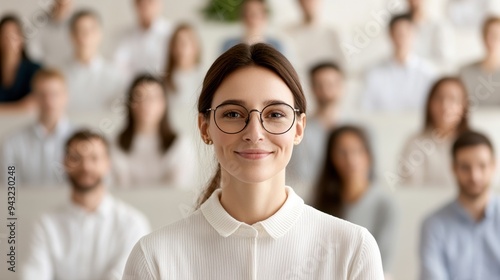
[166,134]
[171,59]
[429,122]
[329,187]
[238,57]
[12,19]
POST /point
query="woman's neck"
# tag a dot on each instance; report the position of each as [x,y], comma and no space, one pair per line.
[10,63]
[252,202]
[146,128]
[354,189]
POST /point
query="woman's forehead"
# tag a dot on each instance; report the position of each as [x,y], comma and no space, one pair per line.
[253,86]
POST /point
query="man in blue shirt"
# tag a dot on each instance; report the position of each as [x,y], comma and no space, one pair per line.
[462,239]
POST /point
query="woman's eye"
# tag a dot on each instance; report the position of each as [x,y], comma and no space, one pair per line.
[276,115]
[232,115]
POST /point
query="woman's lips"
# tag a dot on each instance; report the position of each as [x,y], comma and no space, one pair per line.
[253,154]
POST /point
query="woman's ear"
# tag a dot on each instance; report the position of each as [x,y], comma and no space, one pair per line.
[300,126]
[203,124]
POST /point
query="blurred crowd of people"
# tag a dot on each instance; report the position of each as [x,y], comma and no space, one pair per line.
[154,77]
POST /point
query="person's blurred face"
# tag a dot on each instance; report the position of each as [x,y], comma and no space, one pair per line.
[86,164]
[148,104]
[492,38]
[51,96]
[310,7]
[186,49]
[402,35]
[253,155]
[447,106]
[148,10]
[254,15]
[87,34]
[474,167]
[351,158]
[328,86]
[11,38]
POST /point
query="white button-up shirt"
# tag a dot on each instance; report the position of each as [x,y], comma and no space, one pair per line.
[37,155]
[71,243]
[144,50]
[93,87]
[392,86]
[297,242]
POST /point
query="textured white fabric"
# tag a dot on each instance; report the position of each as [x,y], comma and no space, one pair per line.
[297,242]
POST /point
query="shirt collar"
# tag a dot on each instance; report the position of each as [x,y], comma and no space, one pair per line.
[102,210]
[95,64]
[411,62]
[276,226]
[61,128]
[489,211]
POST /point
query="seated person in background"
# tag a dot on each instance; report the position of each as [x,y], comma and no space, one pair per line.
[327,82]
[148,152]
[91,236]
[402,82]
[50,41]
[143,47]
[313,39]
[254,15]
[16,69]
[183,79]
[460,240]
[345,189]
[433,38]
[426,153]
[92,82]
[37,149]
[482,78]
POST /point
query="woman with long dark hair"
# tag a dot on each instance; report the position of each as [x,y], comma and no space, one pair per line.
[148,152]
[183,77]
[249,224]
[346,189]
[426,153]
[16,69]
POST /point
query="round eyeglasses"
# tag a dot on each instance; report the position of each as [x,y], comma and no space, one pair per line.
[277,118]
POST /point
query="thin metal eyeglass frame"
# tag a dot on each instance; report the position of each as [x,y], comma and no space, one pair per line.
[295,110]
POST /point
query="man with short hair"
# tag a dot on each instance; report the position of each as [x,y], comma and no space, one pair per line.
[91,236]
[37,150]
[93,83]
[462,239]
[402,82]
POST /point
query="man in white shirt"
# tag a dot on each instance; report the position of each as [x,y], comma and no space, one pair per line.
[145,47]
[37,150]
[314,40]
[90,237]
[433,38]
[49,41]
[93,83]
[402,82]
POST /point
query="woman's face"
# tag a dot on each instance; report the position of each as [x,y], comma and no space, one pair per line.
[185,47]
[447,106]
[350,157]
[148,103]
[253,155]
[11,39]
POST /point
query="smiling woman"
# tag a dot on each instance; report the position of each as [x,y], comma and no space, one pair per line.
[255,225]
